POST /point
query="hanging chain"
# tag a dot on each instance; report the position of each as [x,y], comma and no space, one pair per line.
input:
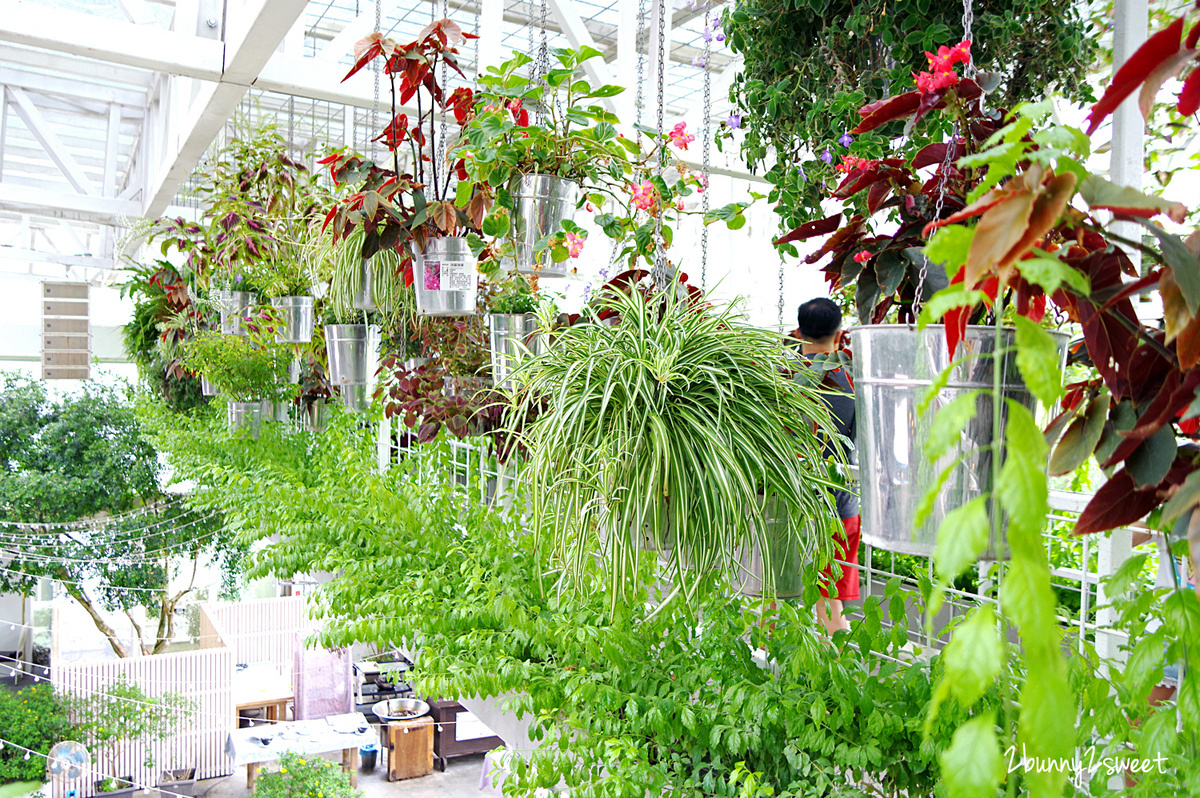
[707,152]
[968,19]
[640,45]
[779,305]
[661,277]
[378,71]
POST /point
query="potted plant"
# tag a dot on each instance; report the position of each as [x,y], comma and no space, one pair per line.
[180,781]
[298,775]
[541,163]
[668,416]
[119,717]
[512,326]
[247,373]
[416,211]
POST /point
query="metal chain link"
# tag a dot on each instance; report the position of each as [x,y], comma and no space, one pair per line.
[661,277]
[779,306]
[542,63]
[378,72]
[968,19]
[640,44]
[707,151]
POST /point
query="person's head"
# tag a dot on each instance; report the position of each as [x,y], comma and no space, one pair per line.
[819,320]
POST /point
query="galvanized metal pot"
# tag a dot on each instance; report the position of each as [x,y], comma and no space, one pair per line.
[314,414]
[353,352]
[445,277]
[894,365]
[206,386]
[750,576]
[364,297]
[543,202]
[514,339]
[234,307]
[298,319]
[245,416]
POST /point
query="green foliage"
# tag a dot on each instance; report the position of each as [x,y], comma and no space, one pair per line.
[673,420]
[122,714]
[70,457]
[34,718]
[810,64]
[298,777]
[242,370]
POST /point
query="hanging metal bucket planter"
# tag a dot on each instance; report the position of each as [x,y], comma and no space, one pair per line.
[364,297]
[353,353]
[445,278]
[297,318]
[894,367]
[206,386]
[542,203]
[245,416]
[514,339]
[234,307]
[314,414]
[277,411]
[750,577]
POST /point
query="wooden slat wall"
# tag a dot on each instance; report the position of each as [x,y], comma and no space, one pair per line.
[264,630]
[203,676]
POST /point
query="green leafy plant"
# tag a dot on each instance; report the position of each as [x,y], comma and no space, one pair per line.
[34,718]
[241,369]
[808,65]
[297,776]
[121,715]
[514,294]
[669,416]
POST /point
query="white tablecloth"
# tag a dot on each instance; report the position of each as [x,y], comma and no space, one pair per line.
[319,736]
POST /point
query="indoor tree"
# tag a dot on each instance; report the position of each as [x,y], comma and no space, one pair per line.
[77,458]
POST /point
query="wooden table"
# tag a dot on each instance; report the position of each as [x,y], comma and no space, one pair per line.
[260,685]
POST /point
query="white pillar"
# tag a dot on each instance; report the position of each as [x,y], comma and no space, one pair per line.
[1130,21]
[491,20]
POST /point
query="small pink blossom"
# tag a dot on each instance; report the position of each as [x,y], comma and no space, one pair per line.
[679,205]
[575,244]
[680,137]
[643,195]
[862,257]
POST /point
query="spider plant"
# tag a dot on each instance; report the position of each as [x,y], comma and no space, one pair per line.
[678,419]
[340,262]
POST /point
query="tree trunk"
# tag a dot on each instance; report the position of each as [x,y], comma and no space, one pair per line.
[138,631]
[74,592]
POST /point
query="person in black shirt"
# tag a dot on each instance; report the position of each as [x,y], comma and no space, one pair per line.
[819,330]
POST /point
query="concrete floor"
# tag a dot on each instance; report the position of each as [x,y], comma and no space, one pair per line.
[461,780]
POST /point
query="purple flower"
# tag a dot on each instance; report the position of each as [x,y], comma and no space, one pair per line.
[734,120]
[720,36]
[827,156]
[845,139]
[604,274]
[587,292]
[800,171]
[699,61]
[237,279]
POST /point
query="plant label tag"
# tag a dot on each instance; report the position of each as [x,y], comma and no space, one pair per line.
[458,276]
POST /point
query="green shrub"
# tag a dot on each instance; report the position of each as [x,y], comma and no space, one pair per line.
[33,718]
[305,777]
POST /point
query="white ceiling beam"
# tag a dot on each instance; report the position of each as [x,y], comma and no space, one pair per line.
[342,44]
[491,18]
[12,75]
[117,42]
[578,35]
[252,34]
[137,11]
[45,136]
[87,71]
[66,205]
[112,149]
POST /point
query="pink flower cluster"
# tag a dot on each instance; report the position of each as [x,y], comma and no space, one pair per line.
[942,63]
[644,195]
[850,163]
[862,257]
[575,244]
[680,137]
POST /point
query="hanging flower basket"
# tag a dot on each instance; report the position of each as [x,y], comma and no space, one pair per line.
[514,338]
[542,203]
[894,367]
[445,278]
[298,320]
[353,353]
[245,416]
[234,307]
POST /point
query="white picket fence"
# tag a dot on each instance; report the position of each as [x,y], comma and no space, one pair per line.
[264,630]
